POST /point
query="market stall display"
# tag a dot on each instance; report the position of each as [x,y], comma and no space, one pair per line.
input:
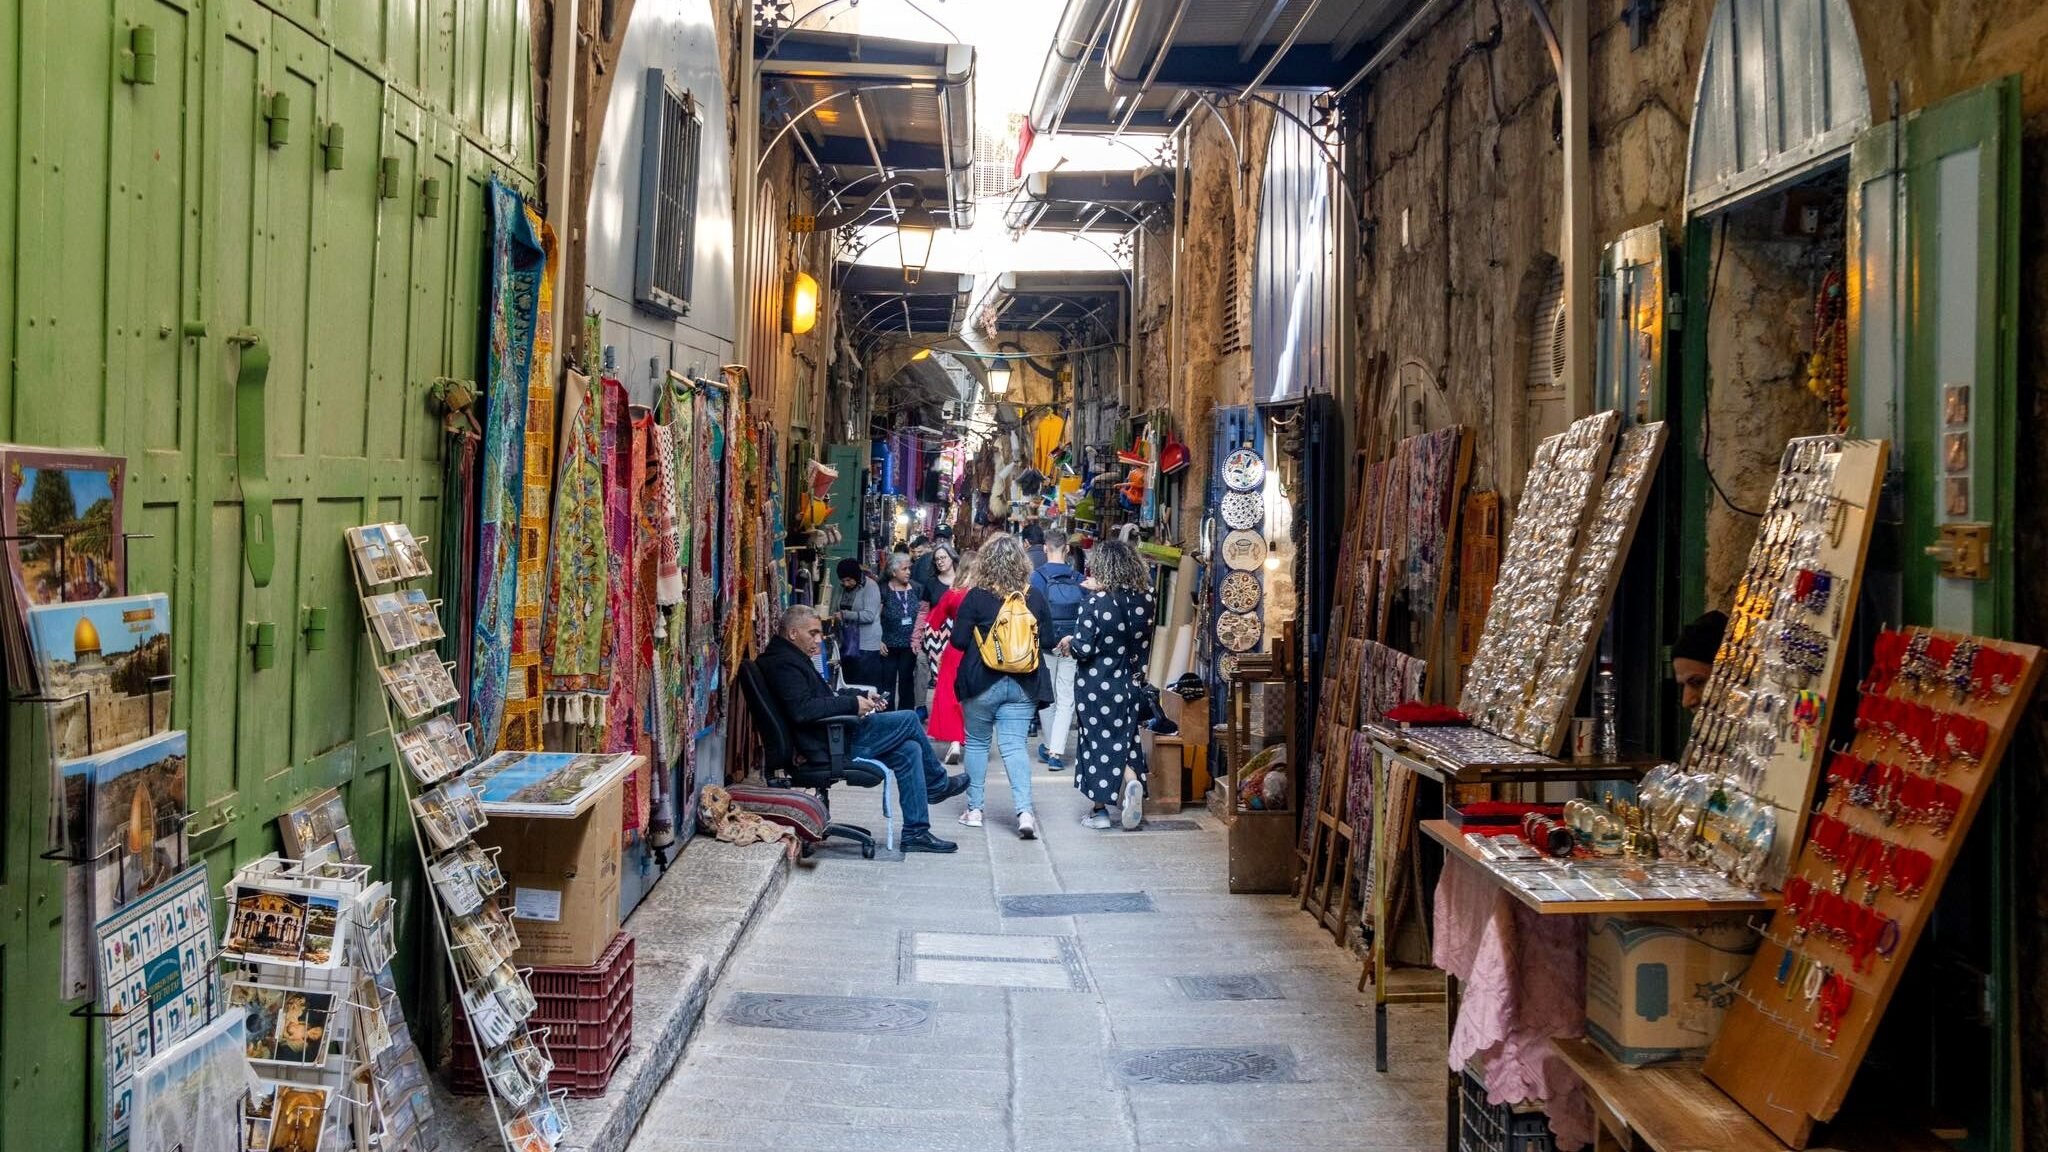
[1937,714]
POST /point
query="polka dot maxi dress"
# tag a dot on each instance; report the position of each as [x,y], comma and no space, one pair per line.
[1110,640]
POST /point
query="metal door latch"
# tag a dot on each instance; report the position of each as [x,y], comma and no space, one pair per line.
[1963,551]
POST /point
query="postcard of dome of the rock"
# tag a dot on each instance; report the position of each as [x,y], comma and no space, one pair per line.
[105,666]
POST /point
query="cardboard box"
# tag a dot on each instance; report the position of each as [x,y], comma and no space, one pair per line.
[1657,988]
[1163,767]
[562,878]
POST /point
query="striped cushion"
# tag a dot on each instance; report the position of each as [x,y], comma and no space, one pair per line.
[790,807]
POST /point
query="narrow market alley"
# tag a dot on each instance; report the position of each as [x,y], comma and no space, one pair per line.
[945,1002]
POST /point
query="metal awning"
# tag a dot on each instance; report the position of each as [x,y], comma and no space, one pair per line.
[1115,202]
[1064,302]
[872,114]
[1133,67]
[876,301]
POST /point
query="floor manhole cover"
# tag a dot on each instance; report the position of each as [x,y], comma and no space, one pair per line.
[1171,824]
[1227,988]
[827,1013]
[1251,1065]
[1076,903]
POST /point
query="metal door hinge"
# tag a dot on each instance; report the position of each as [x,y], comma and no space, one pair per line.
[261,637]
[138,59]
[277,110]
[331,147]
[1963,551]
[313,626]
[430,197]
[387,177]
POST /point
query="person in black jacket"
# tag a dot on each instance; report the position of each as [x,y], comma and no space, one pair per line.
[999,706]
[896,739]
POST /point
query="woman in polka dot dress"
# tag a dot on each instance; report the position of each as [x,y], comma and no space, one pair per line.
[1109,646]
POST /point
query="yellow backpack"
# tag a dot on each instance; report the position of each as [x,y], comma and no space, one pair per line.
[1011,643]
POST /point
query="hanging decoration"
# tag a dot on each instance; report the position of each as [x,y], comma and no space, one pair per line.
[517,262]
[1827,369]
[633,653]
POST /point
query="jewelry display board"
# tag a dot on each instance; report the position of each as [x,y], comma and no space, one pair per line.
[1936,716]
[1596,569]
[1764,712]
[1562,485]
[475,931]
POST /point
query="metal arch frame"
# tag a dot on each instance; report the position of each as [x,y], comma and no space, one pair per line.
[1152,73]
[761,161]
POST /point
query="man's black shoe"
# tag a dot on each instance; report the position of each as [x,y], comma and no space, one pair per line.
[954,785]
[926,842]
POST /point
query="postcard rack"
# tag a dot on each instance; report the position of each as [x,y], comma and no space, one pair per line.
[475,933]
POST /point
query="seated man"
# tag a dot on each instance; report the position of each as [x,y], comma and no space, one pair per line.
[893,738]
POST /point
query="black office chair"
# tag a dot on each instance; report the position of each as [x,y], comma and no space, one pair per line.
[784,767]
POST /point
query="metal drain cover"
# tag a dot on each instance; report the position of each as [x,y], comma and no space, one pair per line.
[1227,988]
[828,1013]
[1171,824]
[1248,1065]
[1076,903]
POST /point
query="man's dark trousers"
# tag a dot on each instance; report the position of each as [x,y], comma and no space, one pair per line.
[898,740]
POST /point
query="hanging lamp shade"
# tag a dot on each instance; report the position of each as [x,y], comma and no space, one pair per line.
[914,245]
[799,304]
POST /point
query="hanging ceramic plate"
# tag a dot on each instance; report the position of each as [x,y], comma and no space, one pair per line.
[1244,551]
[1241,510]
[1238,631]
[1226,666]
[1240,592]
[1243,470]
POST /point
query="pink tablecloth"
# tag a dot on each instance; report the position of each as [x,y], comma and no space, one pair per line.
[1523,984]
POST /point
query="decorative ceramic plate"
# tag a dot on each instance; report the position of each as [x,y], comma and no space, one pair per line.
[1226,666]
[1243,470]
[1240,592]
[1238,631]
[1244,551]
[1242,510]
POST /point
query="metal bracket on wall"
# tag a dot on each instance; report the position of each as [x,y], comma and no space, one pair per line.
[252,457]
[1963,551]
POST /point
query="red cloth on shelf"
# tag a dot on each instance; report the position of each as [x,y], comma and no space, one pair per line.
[1416,712]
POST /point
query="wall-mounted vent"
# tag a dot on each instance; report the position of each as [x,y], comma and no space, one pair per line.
[669,154]
[1547,335]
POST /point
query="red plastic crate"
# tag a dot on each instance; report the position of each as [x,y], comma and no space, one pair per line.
[583,1070]
[597,982]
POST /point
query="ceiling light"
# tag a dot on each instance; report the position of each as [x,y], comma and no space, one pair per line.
[998,378]
[800,304]
[914,243]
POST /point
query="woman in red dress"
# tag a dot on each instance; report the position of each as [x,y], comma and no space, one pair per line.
[946,724]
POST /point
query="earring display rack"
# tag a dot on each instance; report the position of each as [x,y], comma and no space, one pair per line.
[1937,714]
[475,933]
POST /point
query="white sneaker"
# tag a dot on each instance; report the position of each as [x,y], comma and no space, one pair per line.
[1096,818]
[971,817]
[1133,805]
[1027,826]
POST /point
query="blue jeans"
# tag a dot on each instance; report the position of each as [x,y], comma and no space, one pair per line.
[898,740]
[1004,711]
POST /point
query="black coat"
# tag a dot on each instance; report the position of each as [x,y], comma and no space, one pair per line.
[977,614]
[803,696]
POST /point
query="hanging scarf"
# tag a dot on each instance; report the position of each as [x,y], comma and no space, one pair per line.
[622,723]
[517,262]
[522,725]
[704,558]
[668,575]
[579,583]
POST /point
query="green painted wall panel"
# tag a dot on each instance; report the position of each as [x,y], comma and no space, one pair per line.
[129,211]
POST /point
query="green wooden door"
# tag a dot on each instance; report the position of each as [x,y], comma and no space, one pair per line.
[1933,297]
[146,225]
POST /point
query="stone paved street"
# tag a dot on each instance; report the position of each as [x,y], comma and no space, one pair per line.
[980,1030]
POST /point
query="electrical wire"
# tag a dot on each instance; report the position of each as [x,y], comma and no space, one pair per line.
[1707,402]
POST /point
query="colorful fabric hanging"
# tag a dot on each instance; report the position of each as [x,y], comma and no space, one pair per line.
[517,264]
[704,561]
[579,582]
[622,722]
[522,726]
[668,575]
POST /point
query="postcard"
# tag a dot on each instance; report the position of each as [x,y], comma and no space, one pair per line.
[139,809]
[442,828]
[453,742]
[406,553]
[61,514]
[283,926]
[424,614]
[256,1116]
[391,621]
[407,693]
[107,663]
[373,1032]
[427,670]
[298,1117]
[373,555]
[319,821]
[284,1025]
[187,1097]
[456,883]
[546,784]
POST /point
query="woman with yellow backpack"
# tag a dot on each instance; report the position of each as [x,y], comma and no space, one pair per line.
[1001,631]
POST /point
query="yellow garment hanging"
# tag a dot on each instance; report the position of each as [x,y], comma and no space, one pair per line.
[1046,439]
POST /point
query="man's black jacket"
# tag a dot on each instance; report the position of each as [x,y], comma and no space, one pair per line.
[805,698]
